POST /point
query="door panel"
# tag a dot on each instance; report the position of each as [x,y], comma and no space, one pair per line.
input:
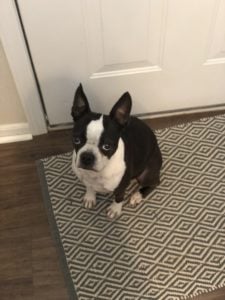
[216,39]
[169,54]
[123,43]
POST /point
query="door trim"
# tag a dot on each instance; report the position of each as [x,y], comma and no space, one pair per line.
[14,45]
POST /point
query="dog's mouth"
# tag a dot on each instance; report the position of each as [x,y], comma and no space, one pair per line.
[86,168]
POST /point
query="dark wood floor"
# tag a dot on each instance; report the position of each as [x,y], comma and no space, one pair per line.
[29,267]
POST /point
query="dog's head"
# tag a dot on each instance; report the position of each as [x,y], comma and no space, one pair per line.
[96,136]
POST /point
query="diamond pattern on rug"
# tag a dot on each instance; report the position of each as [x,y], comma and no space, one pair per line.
[172,245]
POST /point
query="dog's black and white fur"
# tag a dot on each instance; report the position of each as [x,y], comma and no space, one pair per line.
[110,151]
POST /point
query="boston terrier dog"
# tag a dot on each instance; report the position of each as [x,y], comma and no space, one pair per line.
[111,150]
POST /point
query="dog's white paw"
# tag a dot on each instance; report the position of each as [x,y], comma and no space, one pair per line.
[114,210]
[135,199]
[89,200]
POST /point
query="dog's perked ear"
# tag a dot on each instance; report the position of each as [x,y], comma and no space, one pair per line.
[121,110]
[80,104]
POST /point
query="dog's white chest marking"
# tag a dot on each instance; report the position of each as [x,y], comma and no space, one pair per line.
[109,177]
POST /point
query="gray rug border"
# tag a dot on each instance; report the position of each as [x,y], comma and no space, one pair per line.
[55,232]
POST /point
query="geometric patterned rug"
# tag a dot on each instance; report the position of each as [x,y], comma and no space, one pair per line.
[171,246]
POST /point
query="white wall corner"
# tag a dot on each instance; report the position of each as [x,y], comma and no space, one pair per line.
[14,133]
[18,59]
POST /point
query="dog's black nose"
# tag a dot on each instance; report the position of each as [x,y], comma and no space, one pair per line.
[87,159]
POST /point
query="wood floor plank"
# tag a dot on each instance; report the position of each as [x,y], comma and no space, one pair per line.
[15,253]
[17,289]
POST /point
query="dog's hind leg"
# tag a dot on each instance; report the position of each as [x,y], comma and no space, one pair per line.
[148,181]
[149,178]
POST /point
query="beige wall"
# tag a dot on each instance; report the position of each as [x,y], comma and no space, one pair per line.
[11,110]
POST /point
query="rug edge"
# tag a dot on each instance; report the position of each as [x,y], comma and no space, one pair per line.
[55,232]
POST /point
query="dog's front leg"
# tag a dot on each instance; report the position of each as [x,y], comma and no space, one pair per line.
[115,209]
[89,197]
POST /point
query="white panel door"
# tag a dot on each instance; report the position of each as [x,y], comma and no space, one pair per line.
[169,54]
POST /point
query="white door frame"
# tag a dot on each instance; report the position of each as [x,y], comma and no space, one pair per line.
[17,55]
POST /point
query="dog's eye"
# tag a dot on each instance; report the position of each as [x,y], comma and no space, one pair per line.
[76,141]
[106,147]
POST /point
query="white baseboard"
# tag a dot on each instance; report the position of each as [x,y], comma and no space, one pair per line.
[14,133]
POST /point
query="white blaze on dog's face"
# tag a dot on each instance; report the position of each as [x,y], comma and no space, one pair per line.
[95,136]
[94,132]
[91,150]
